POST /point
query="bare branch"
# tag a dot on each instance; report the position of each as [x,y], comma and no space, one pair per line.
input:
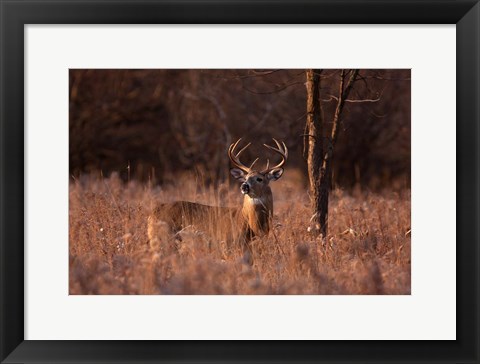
[343,93]
[273,91]
[386,78]
[324,76]
[332,97]
[255,74]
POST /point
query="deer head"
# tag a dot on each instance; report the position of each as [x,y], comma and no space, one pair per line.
[255,183]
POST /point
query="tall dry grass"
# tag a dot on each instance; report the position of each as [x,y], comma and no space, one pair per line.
[367,251]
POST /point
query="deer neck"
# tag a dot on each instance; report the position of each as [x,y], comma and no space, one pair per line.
[258,212]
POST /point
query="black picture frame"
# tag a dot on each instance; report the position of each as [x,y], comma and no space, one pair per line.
[15,14]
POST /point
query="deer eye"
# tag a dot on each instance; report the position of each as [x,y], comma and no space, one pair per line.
[259,179]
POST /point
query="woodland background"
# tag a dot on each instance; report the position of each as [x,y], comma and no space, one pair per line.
[156,124]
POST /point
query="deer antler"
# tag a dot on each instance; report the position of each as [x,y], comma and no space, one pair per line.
[282,150]
[235,157]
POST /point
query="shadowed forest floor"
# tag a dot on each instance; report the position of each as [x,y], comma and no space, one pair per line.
[368,249]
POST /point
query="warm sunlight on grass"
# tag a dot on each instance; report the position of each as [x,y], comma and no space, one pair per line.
[368,249]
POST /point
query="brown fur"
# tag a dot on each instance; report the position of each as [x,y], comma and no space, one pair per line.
[257,207]
[239,225]
[178,215]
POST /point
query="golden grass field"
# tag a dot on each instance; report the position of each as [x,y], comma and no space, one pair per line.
[368,249]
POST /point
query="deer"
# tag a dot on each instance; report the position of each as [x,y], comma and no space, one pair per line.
[242,224]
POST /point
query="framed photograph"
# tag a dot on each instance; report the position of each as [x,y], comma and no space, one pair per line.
[239,181]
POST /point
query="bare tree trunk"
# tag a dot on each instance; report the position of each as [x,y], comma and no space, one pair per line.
[314,138]
[320,152]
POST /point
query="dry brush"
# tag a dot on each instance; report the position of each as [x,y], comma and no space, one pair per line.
[367,250]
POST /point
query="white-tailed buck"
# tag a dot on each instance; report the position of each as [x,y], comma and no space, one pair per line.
[240,224]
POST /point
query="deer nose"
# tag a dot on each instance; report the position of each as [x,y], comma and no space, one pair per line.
[245,188]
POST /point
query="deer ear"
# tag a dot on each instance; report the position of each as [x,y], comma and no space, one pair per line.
[275,174]
[238,174]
